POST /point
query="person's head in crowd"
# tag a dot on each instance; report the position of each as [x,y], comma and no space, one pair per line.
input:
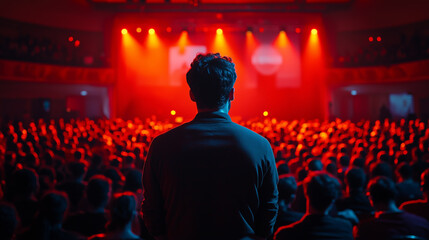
[302,173]
[283,168]
[133,181]
[424,183]
[381,169]
[344,161]
[31,160]
[47,179]
[358,162]
[8,221]
[53,207]
[23,184]
[404,172]
[382,192]
[96,161]
[321,191]
[314,165]
[76,171]
[117,178]
[211,79]
[331,168]
[78,155]
[98,192]
[287,188]
[115,162]
[122,211]
[129,160]
[355,179]
[10,157]
[382,156]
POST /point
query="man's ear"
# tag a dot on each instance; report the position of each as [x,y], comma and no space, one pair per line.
[192,96]
[232,94]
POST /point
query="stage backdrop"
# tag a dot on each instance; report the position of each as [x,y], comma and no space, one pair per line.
[278,69]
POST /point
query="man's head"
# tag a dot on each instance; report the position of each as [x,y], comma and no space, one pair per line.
[211,79]
[382,191]
[321,190]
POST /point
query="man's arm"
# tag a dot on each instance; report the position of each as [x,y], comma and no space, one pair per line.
[152,207]
[268,193]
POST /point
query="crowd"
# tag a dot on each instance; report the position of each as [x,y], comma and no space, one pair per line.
[82,179]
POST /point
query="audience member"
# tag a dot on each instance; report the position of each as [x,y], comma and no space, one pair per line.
[93,220]
[74,186]
[122,212]
[8,221]
[408,189]
[321,191]
[420,207]
[389,221]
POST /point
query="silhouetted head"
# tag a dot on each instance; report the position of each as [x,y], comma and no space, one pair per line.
[122,210]
[98,190]
[321,190]
[355,178]
[382,190]
[211,79]
[287,188]
[8,221]
[24,183]
[133,181]
[404,171]
[53,206]
[425,181]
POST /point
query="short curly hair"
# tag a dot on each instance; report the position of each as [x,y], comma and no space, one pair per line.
[321,189]
[211,79]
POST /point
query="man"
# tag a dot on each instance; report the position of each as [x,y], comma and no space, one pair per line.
[321,191]
[210,178]
[389,221]
[420,207]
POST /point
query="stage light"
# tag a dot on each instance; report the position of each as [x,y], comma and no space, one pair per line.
[353,92]
[168,29]
[83,93]
[265,113]
[70,39]
[219,31]
[151,31]
[298,30]
[124,31]
[173,112]
[282,32]
[314,31]
[371,39]
[378,39]
[261,29]
[77,43]
[139,30]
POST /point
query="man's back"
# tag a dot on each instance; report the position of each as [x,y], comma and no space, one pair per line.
[210,178]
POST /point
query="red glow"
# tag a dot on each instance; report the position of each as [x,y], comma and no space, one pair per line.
[77,43]
[314,31]
[219,31]
[378,39]
[183,41]
[151,31]
[371,39]
[168,29]
[265,113]
[261,29]
[173,112]
[139,30]
[298,30]
[124,31]
[70,39]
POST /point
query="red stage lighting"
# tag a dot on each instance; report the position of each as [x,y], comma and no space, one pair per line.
[265,113]
[378,39]
[219,31]
[151,31]
[261,29]
[70,39]
[139,30]
[173,112]
[371,39]
[124,31]
[298,30]
[77,43]
[314,31]
[168,29]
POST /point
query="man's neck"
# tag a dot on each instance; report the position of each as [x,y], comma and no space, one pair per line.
[223,109]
